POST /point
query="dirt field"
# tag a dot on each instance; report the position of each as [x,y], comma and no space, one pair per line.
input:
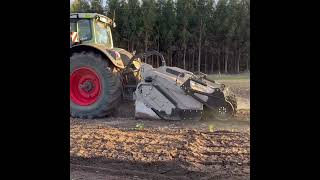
[112,148]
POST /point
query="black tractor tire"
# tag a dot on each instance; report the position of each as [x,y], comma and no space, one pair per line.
[110,93]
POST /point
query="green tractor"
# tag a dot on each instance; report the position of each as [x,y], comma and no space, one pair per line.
[102,76]
[95,80]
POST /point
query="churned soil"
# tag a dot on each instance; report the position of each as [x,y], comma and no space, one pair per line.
[157,153]
[113,148]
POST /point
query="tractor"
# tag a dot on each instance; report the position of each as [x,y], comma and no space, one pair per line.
[102,77]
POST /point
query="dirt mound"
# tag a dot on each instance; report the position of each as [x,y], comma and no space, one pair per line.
[219,154]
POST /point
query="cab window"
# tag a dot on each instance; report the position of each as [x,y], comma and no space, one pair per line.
[84,28]
[103,33]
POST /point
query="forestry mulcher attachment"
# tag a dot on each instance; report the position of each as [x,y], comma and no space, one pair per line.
[101,77]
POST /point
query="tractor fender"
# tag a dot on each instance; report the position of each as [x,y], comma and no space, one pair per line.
[109,54]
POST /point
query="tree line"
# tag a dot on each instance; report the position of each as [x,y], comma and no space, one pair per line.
[211,36]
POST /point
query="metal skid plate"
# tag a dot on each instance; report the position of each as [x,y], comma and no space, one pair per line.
[154,101]
[144,112]
[152,96]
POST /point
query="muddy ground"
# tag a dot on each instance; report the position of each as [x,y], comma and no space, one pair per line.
[113,148]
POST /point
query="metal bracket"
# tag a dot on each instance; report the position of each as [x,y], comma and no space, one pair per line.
[215,98]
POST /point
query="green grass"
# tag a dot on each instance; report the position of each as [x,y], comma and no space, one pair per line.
[139,126]
[211,127]
[242,76]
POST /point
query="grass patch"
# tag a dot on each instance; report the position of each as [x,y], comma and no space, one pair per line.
[211,127]
[139,126]
[242,76]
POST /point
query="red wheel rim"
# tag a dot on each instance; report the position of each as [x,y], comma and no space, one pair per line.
[85,86]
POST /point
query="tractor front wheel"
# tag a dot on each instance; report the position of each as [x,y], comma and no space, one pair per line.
[95,90]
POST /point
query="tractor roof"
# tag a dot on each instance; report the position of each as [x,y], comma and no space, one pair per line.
[90,16]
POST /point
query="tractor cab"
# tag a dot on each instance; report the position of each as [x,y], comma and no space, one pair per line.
[91,28]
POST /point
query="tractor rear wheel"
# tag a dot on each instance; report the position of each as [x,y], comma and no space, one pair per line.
[95,90]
